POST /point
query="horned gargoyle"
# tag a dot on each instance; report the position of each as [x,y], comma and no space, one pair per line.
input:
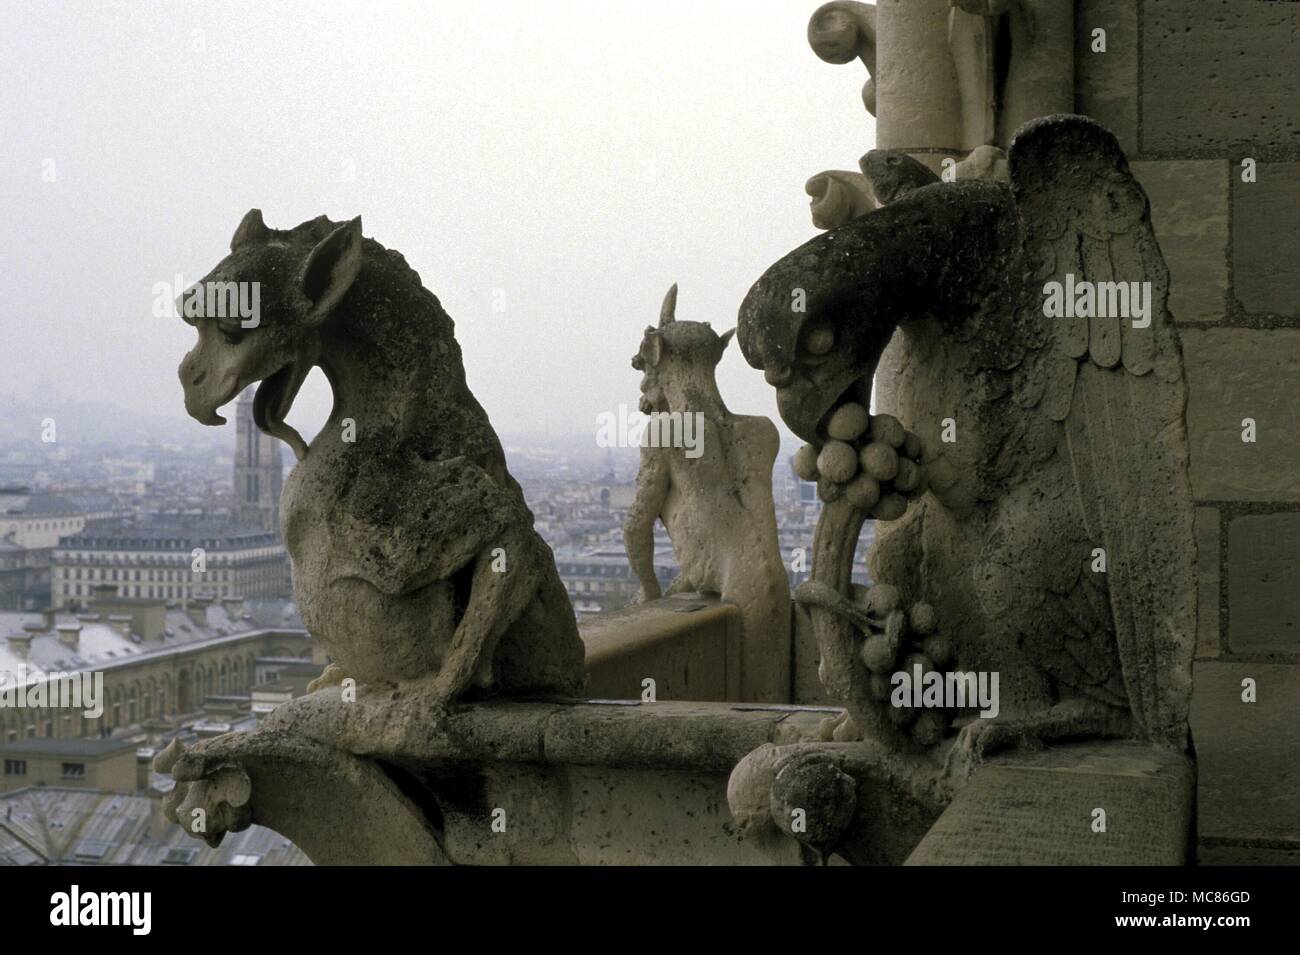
[714,499]
[1053,544]
[415,561]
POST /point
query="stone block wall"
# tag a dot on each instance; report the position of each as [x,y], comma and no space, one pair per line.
[1192,88]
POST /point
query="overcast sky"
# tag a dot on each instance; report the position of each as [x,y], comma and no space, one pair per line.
[578,156]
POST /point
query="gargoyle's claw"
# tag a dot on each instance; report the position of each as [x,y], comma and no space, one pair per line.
[189,765]
[839,729]
[982,738]
[212,793]
[164,761]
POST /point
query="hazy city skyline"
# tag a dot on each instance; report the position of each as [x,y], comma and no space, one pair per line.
[549,170]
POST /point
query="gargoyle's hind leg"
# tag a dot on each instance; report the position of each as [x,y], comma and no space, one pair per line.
[1070,719]
[504,583]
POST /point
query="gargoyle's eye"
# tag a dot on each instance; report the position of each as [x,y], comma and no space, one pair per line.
[231,336]
[819,340]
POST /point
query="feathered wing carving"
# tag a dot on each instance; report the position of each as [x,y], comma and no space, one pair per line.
[1119,391]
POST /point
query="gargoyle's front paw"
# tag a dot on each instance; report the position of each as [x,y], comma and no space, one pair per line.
[839,729]
[332,675]
[973,743]
[212,791]
[982,738]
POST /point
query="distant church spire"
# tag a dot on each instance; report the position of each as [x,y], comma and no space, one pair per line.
[258,470]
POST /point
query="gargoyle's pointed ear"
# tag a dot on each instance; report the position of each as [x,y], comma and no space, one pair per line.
[726,340]
[331,268]
[251,229]
[668,311]
[652,347]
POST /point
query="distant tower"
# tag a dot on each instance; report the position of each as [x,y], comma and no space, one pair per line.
[258,471]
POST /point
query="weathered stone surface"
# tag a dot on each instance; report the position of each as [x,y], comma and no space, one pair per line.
[713,493]
[1247,753]
[689,644]
[1105,84]
[1219,74]
[1040,809]
[1068,437]
[1207,570]
[657,818]
[1189,211]
[1216,854]
[509,814]
[917,105]
[1234,374]
[936,62]
[1265,236]
[687,736]
[503,813]
[1263,590]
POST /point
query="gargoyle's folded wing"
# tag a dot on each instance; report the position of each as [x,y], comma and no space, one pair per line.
[1116,383]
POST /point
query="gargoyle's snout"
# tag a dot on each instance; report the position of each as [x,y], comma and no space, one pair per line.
[812,325]
[205,391]
[196,404]
[778,376]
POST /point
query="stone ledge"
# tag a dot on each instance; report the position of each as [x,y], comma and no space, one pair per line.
[1037,809]
[692,736]
[689,644]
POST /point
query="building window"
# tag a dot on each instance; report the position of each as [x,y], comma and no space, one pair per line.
[74,770]
[15,767]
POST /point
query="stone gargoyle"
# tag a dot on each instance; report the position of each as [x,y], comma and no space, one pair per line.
[715,502]
[415,561]
[1053,544]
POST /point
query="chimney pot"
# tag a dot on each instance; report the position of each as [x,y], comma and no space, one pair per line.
[70,634]
[21,645]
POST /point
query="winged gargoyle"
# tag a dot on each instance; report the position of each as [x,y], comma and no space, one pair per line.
[415,561]
[1055,540]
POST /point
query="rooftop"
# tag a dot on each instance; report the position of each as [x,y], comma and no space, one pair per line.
[100,644]
[90,747]
[174,536]
[53,826]
[19,502]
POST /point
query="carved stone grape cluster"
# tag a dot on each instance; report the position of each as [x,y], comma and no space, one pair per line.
[898,639]
[870,460]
